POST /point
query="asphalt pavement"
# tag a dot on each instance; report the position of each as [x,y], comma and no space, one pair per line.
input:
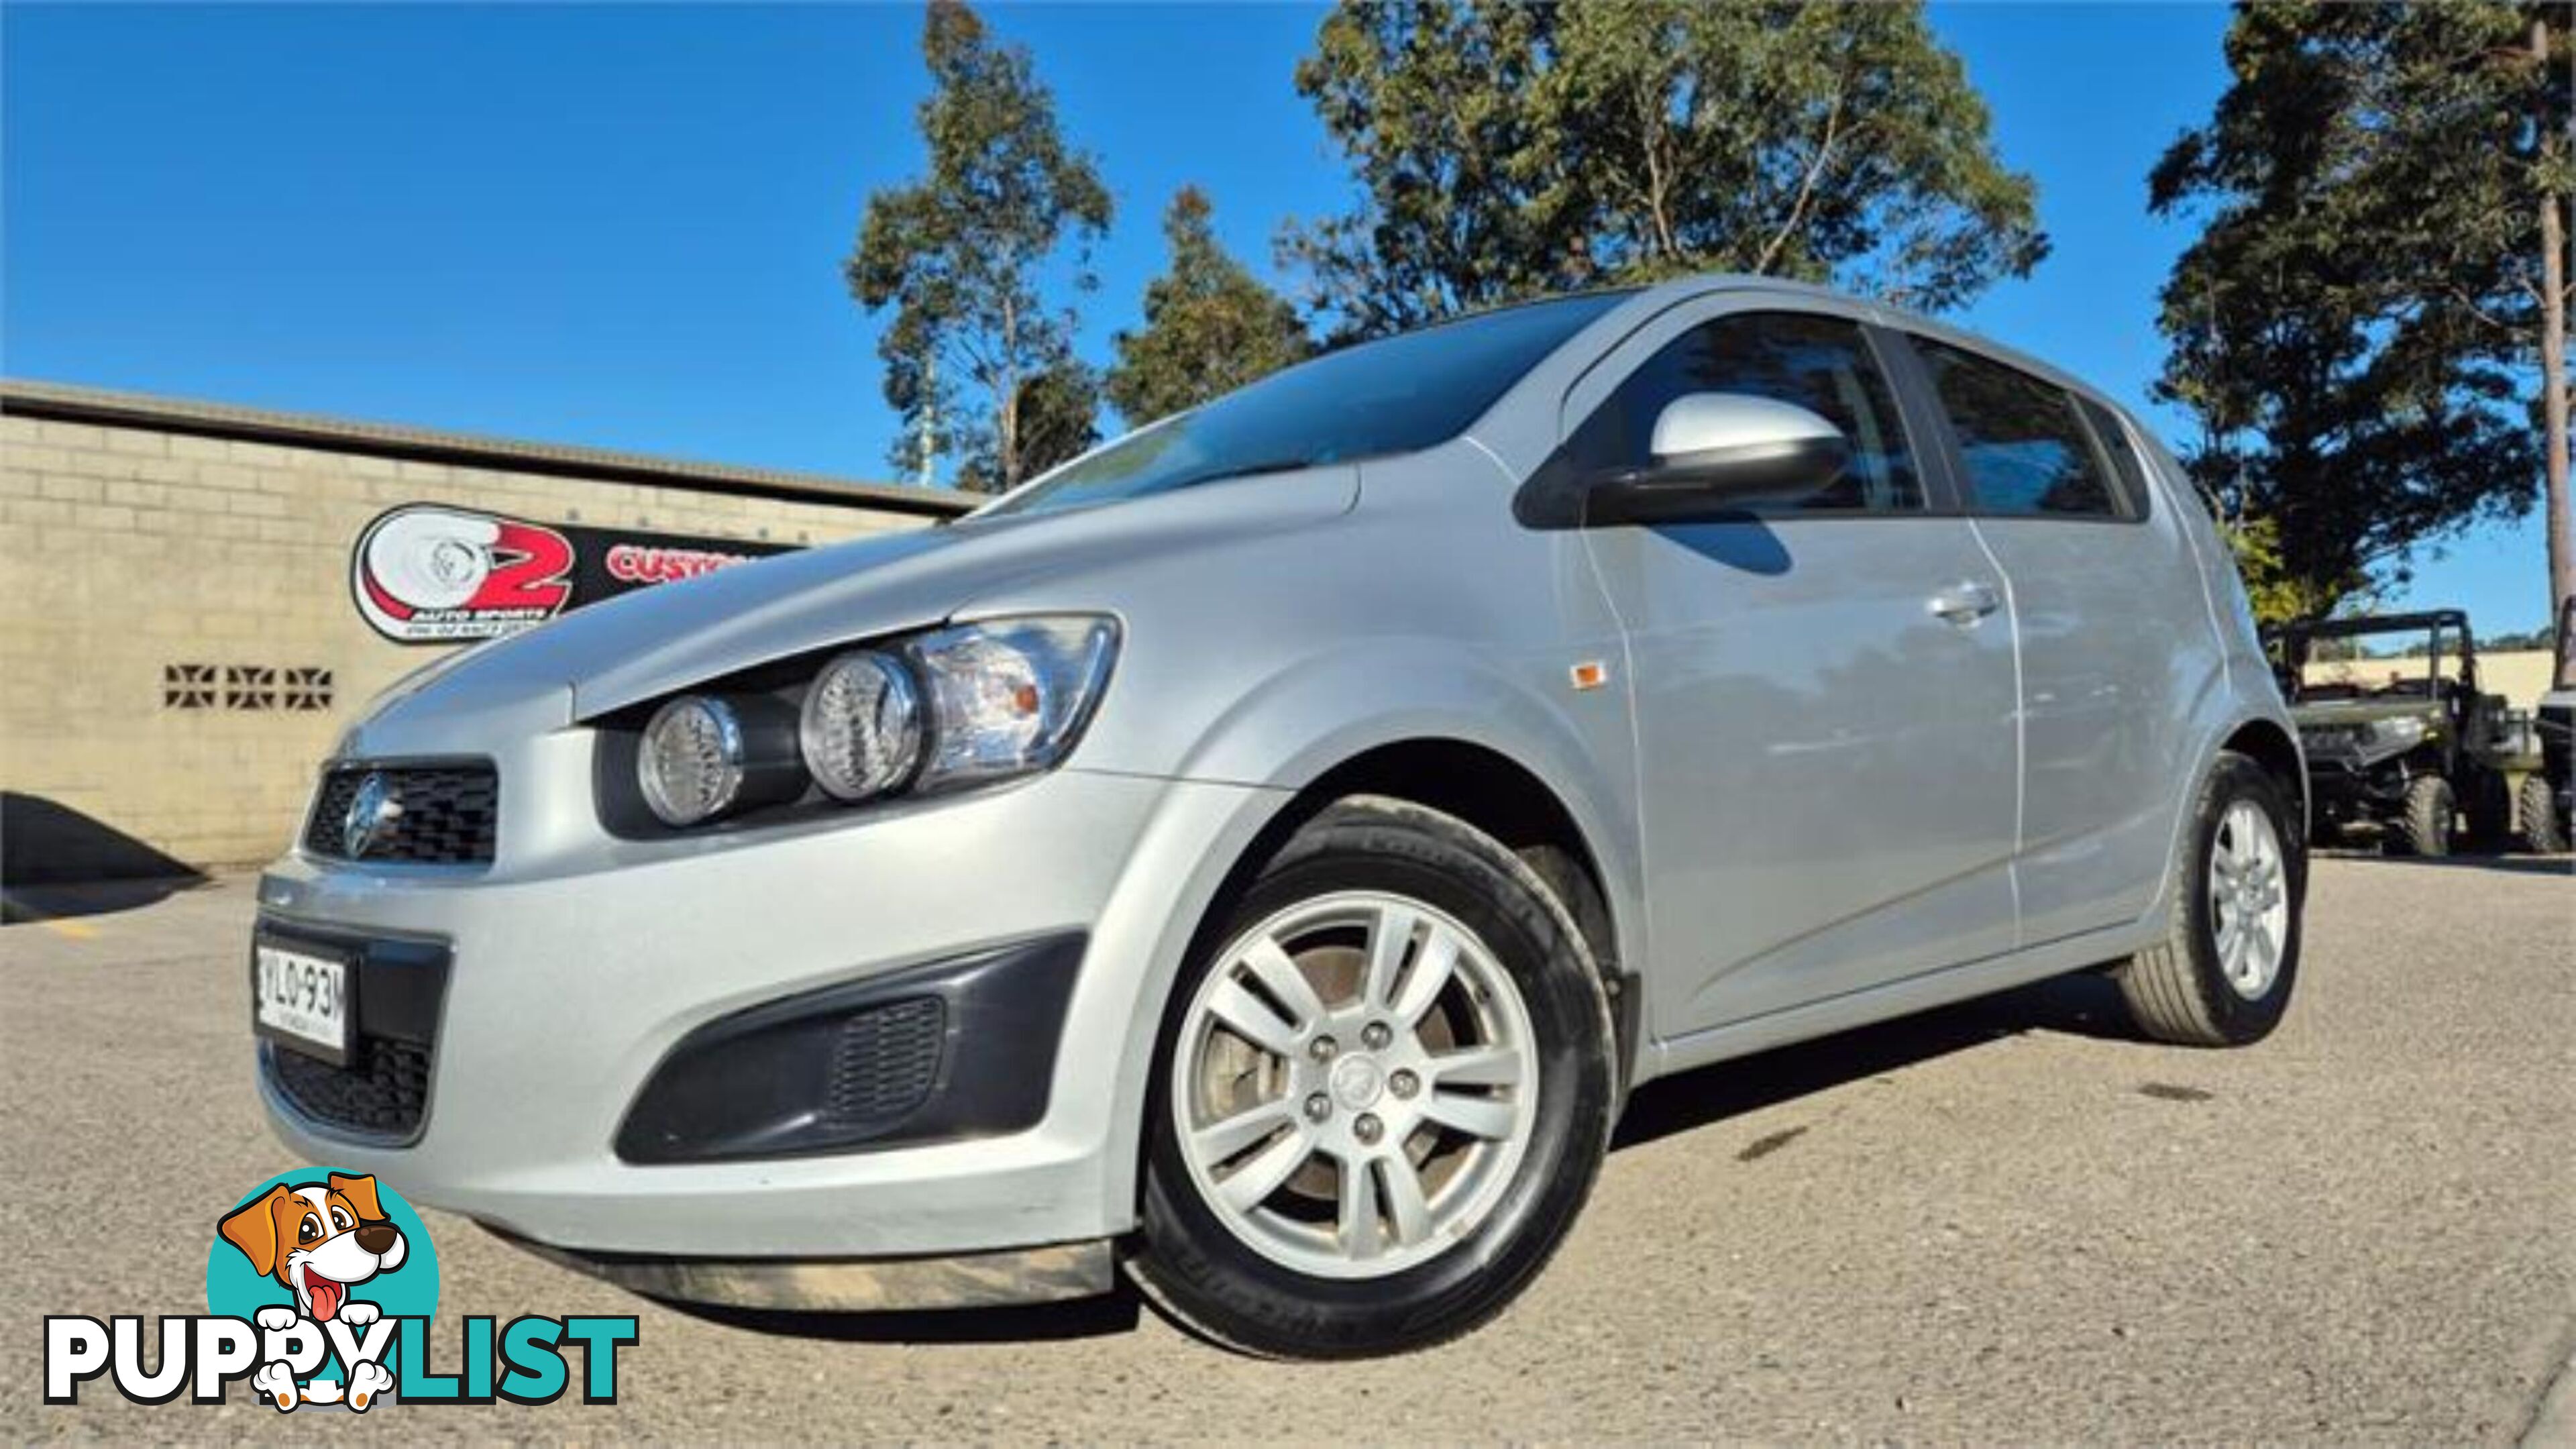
[2006,1222]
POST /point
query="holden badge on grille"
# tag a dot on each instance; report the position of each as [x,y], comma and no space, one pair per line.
[371,817]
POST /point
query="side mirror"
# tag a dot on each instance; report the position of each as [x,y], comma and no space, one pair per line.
[1718,452]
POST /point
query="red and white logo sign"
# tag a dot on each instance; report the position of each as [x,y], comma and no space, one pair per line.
[424,572]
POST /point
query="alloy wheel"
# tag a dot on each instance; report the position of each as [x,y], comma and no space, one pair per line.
[2249,899]
[1355,1083]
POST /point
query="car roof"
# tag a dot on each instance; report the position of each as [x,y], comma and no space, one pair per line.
[1651,300]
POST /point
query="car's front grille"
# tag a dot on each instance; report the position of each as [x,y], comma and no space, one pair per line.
[446,814]
[381,1093]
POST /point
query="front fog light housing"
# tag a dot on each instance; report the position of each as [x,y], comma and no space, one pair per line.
[860,728]
[703,755]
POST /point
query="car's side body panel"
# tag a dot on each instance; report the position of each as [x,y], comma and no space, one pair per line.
[1825,767]
[2114,639]
[1370,638]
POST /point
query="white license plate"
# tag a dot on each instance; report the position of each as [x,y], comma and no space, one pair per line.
[302,1000]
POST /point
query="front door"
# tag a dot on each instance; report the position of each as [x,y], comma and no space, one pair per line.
[1824,695]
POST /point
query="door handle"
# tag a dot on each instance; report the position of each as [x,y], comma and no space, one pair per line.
[1964,603]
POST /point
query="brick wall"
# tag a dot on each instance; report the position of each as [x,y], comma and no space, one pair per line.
[133,549]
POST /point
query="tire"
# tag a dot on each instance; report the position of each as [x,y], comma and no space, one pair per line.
[2423,828]
[2181,990]
[1301,1272]
[2542,831]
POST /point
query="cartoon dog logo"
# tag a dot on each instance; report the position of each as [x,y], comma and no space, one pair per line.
[319,1240]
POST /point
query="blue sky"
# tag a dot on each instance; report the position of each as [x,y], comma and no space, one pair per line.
[623,225]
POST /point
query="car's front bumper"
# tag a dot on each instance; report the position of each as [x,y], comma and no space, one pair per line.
[574,973]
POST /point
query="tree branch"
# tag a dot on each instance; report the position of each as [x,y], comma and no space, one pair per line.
[1815,170]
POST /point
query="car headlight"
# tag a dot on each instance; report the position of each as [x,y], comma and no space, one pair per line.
[703,755]
[860,727]
[1008,697]
[947,709]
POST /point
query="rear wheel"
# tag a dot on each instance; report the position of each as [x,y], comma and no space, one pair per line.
[2542,830]
[2424,827]
[2223,974]
[1382,1097]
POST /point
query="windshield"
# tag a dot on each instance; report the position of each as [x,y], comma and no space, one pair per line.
[1398,395]
[2333,665]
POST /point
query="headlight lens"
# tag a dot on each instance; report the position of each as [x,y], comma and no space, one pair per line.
[1011,695]
[690,764]
[943,710]
[860,729]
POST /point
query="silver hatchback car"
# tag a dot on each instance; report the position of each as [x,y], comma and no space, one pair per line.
[1266,850]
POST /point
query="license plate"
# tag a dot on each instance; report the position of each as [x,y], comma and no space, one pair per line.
[303,1000]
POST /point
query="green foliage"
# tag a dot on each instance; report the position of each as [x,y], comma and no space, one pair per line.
[1058,411]
[2277,596]
[2357,324]
[1504,150]
[1210,325]
[958,257]
[2543,638]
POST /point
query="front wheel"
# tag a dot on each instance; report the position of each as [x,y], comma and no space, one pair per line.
[1382,1096]
[2424,827]
[2223,974]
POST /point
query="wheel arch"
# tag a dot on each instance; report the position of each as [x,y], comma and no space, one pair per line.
[1475,783]
[2268,744]
[2266,739]
[1478,782]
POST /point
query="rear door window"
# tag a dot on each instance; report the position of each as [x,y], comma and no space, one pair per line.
[2127,469]
[2026,449]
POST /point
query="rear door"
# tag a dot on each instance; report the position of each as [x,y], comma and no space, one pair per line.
[1823,695]
[2107,602]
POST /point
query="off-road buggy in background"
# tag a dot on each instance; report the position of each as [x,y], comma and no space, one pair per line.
[2407,747]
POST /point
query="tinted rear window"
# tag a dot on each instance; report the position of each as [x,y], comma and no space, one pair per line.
[2027,450]
[2127,469]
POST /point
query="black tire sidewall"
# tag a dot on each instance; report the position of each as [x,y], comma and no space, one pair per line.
[1222,1285]
[2238,1019]
[2427,829]
[2537,806]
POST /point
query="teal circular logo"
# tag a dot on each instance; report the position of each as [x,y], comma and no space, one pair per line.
[329,1246]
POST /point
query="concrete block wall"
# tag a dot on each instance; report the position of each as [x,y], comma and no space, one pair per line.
[133,550]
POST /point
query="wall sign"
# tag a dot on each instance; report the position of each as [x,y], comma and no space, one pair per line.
[426,573]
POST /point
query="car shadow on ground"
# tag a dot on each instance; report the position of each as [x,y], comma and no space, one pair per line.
[58,864]
[2086,1004]
[26,905]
